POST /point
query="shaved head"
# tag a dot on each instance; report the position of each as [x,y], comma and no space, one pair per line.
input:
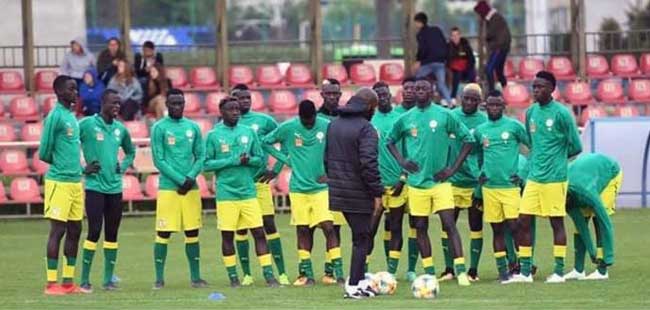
[368,95]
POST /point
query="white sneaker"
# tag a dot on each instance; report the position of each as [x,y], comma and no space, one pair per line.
[519,278]
[366,288]
[575,275]
[596,276]
[555,278]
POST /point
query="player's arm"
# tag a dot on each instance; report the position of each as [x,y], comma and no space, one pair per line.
[268,145]
[522,135]
[462,133]
[396,136]
[129,152]
[574,143]
[159,159]
[256,154]
[198,149]
[48,136]
[211,162]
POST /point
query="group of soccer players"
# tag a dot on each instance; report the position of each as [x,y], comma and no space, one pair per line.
[431,159]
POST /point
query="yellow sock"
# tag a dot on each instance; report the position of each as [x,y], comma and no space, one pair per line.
[265,260]
[476,234]
[162,240]
[230,261]
[111,245]
[304,254]
[394,254]
[412,233]
[559,251]
[334,253]
[459,261]
[273,236]
[525,251]
[500,254]
[427,262]
[600,253]
[89,245]
[239,237]
[387,235]
[68,270]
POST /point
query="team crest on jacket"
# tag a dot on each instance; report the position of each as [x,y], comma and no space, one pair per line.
[255,127]
[189,133]
[244,139]
[549,124]
[486,141]
[320,136]
[117,132]
[100,136]
[452,136]
[414,131]
[505,135]
[433,124]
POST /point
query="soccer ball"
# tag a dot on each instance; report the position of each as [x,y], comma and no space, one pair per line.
[386,283]
[425,286]
[372,280]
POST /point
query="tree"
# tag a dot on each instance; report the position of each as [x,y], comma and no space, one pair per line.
[611,37]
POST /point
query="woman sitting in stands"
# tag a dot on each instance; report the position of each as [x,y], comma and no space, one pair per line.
[128,88]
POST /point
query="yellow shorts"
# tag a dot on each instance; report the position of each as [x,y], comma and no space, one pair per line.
[462,196]
[310,209]
[500,204]
[544,199]
[265,198]
[234,215]
[339,219]
[388,201]
[608,196]
[64,201]
[176,212]
[423,202]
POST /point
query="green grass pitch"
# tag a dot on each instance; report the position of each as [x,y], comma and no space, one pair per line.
[22,244]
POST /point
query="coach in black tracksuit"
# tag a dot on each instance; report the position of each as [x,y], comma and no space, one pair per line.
[353,177]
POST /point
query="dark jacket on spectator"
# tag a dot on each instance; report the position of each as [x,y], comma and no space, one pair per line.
[105,66]
[91,95]
[461,52]
[140,65]
[498,33]
[351,160]
[432,45]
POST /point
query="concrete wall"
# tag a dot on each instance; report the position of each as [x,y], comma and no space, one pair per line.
[56,22]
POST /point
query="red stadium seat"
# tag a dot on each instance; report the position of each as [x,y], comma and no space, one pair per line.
[313,95]
[44,80]
[335,71]
[48,104]
[398,97]
[391,73]
[151,185]
[137,129]
[578,93]
[283,181]
[625,65]
[627,111]
[7,132]
[639,91]
[610,91]
[363,74]
[645,63]
[13,162]
[269,76]
[257,103]
[212,102]
[597,67]
[192,105]
[11,82]
[516,95]
[561,67]
[205,125]
[39,166]
[25,189]
[203,186]
[131,188]
[178,76]
[204,78]
[283,102]
[2,109]
[23,108]
[509,69]
[592,112]
[557,95]
[240,75]
[528,68]
[299,75]
[31,132]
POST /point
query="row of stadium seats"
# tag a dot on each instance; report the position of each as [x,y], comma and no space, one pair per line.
[609,91]
[26,189]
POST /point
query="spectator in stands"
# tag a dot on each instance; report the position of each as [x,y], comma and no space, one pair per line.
[128,88]
[107,60]
[143,62]
[461,61]
[432,54]
[498,41]
[77,61]
[91,91]
[156,91]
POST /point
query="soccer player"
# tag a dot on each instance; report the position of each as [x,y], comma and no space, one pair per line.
[233,152]
[261,124]
[331,94]
[594,183]
[554,139]
[499,144]
[425,130]
[303,138]
[178,154]
[59,147]
[101,138]
[464,182]
[408,102]
[392,178]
